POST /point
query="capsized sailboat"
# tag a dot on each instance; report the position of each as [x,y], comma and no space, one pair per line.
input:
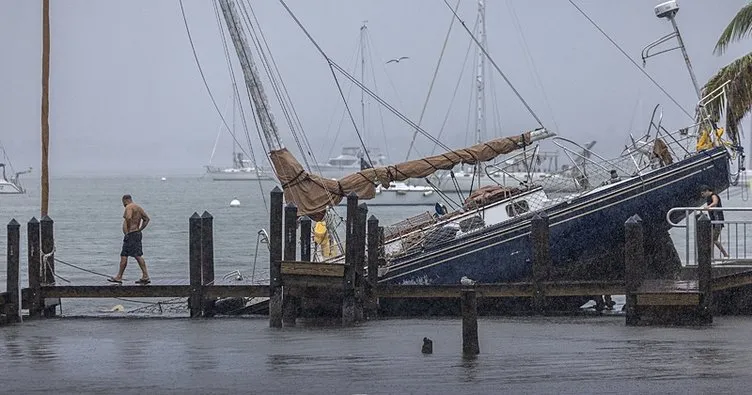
[488,238]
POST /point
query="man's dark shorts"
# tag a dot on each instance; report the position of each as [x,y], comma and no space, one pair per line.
[132,245]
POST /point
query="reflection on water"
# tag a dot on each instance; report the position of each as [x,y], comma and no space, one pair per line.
[528,354]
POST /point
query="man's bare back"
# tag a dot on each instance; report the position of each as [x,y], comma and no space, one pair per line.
[134,218]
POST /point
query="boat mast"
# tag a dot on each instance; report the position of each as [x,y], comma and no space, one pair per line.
[250,74]
[45,105]
[363,78]
[480,81]
[232,133]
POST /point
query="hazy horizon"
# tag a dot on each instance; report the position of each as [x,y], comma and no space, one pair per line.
[127,97]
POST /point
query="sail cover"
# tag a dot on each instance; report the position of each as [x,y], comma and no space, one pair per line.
[312,194]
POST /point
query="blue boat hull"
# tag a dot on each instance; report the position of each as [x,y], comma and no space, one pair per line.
[586,233]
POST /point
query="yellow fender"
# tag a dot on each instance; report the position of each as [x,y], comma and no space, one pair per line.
[321,237]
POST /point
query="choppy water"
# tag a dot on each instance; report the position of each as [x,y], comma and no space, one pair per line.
[243,355]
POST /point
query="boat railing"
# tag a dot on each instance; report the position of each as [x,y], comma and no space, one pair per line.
[736,227]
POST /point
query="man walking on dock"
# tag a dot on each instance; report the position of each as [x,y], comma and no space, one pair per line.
[713,200]
[135,220]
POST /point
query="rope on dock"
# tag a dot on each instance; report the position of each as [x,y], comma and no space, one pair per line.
[80,268]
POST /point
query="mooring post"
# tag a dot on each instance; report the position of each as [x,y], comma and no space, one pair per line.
[46,226]
[348,286]
[704,271]
[275,257]
[13,307]
[35,267]
[289,302]
[194,264]
[539,234]
[305,239]
[634,266]
[207,260]
[372,230]
[469,322]
[359,232]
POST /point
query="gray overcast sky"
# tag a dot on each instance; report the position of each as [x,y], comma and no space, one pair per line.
[127,98]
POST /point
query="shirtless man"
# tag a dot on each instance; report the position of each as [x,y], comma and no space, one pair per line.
[134,221]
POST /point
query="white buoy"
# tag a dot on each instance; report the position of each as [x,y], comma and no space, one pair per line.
[235,202]
[164,178]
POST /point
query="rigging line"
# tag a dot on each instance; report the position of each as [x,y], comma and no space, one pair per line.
[454,93]
[276,81]
[433,80]
[333,64]
[349,113]
[373,77]
[236,96]
[631,60]
[203,77]
[526,48]
[488,56]
[273,137]
[332,143]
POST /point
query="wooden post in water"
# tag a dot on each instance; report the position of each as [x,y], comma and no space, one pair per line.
[207,260]
[359,233]
[539,235]
[275,258]
[305,239]
[194,262]
[634,266]
[289,302]
[45,113]
[46,226]
[13,307]
[35,267]
[704,271]
[348,285]
[374,241]
[469,322]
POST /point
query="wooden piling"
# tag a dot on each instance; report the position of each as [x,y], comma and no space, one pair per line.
[374,241]
[289,302]
[348,285]
[13,307]
[359,233]
[539,235]
[207,260]
[275,258]
[35,267]
[305,239]
[634,266]
[704,271]
[46,230]
[470,344]
[194,262]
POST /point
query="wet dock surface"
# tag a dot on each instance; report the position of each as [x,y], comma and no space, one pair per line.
[243,355]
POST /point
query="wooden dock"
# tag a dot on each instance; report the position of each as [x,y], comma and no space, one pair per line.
[296,284]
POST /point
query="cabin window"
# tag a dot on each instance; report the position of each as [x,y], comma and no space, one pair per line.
[517,207]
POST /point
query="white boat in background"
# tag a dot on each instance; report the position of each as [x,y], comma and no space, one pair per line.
[241,170]
[13,185]
[350,160]
[403,194]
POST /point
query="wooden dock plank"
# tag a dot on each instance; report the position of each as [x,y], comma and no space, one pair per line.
[312,269]
[669,299]
[239,291]
[732,281]
[151,291]
[668,286]
[526,289]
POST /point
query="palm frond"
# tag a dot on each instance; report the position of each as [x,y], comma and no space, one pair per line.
[738,93]
[739,27]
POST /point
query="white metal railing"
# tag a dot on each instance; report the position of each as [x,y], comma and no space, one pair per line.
[735,231]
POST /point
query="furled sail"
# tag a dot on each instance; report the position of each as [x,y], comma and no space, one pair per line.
[312,194]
